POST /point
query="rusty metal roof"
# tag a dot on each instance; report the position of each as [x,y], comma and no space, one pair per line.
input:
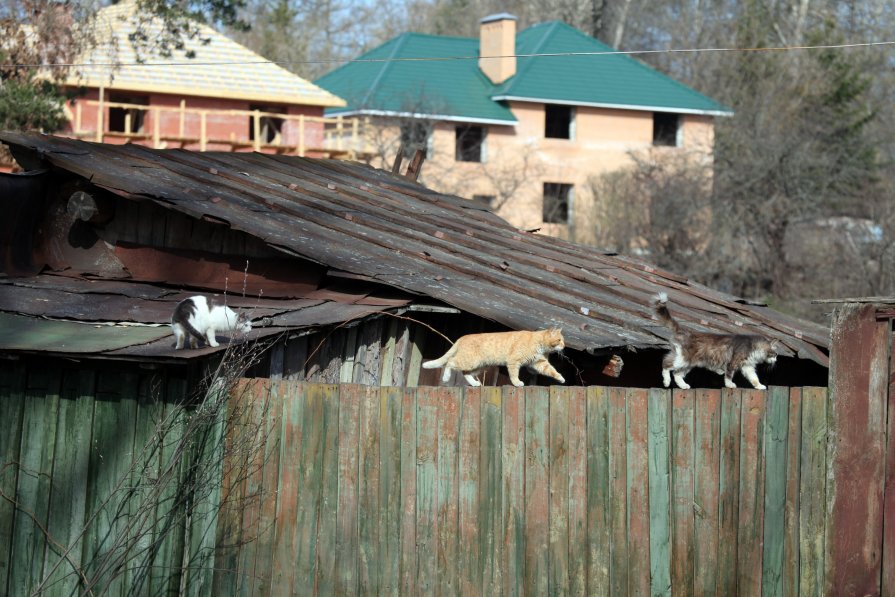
[386,228]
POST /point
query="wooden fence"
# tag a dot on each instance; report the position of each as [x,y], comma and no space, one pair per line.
[317,489]
[584,491]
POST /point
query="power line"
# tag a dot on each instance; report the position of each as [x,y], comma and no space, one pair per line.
[452,58]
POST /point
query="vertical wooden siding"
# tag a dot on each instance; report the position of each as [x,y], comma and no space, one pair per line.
[92,494]
[584,491]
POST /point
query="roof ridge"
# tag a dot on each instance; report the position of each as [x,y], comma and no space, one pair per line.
[399,43]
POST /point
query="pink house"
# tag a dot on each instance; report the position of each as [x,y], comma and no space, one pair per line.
[224,97]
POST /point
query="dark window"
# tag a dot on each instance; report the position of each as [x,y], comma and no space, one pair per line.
[557,199]
[469,143]
[270,128]
[127,120]
[415,135]
[486,200]
[559,121]
[665,128]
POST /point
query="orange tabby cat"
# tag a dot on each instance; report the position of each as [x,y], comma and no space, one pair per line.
[472,353]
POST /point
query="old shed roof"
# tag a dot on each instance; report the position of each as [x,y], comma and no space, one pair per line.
[386,228]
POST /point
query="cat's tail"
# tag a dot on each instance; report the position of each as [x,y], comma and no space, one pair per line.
[660,304]
[440,361]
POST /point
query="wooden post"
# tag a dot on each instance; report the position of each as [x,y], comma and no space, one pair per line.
[859,366]
[203,129]
[156,128]
[127,122]
[182,119]
[339,132]
[396,167]
[301,135]
[355,140]
[416,165]
[99,116]
[256,129]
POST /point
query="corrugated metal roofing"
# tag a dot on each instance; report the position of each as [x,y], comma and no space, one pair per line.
[453,86]
[220,68]
[381,226]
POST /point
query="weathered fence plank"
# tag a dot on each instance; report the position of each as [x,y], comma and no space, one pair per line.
[329,494]
[409,430]
[12,407]
[598,491]
[659,493]
[427,489]
[471,532]
[578,491]
[682,458]
[350,397]
[637,424]
[751,518]
[390,518]
[513,502]
[35,464]
[618,492]
[707,484]
[776,434]
[729,488]
[537,450]
[558,505]
[859,380]
[68,501]
[368,492]
[812,492]
[490,496]
[446,500]
[888,555]
[791,508]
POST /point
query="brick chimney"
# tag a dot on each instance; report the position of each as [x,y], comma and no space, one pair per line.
[497,46]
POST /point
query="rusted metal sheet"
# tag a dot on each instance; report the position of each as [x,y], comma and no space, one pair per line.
[372,224]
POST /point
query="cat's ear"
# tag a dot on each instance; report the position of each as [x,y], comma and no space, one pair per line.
[774,344]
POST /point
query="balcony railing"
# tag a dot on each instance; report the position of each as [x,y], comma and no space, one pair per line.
[268,132]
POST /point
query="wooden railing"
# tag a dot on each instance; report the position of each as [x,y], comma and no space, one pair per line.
[295,134]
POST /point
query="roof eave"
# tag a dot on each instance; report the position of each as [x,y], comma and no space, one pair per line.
[639,108]
[324,102]
[444,117]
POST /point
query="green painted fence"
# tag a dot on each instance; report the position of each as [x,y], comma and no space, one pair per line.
[585,491]
[308,489]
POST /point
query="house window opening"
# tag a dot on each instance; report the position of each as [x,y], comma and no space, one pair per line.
[557,202]
[270,128]
[665,129]
[489,201]
[470,144]
[126,119]
[415,135]
[560,122]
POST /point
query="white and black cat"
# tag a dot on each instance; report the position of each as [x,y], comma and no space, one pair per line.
[722,353]
[201,318]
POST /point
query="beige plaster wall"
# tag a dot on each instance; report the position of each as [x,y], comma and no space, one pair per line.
[519,160]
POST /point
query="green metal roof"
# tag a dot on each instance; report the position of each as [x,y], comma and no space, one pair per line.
[448,87]
[18,332]
[392,79]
